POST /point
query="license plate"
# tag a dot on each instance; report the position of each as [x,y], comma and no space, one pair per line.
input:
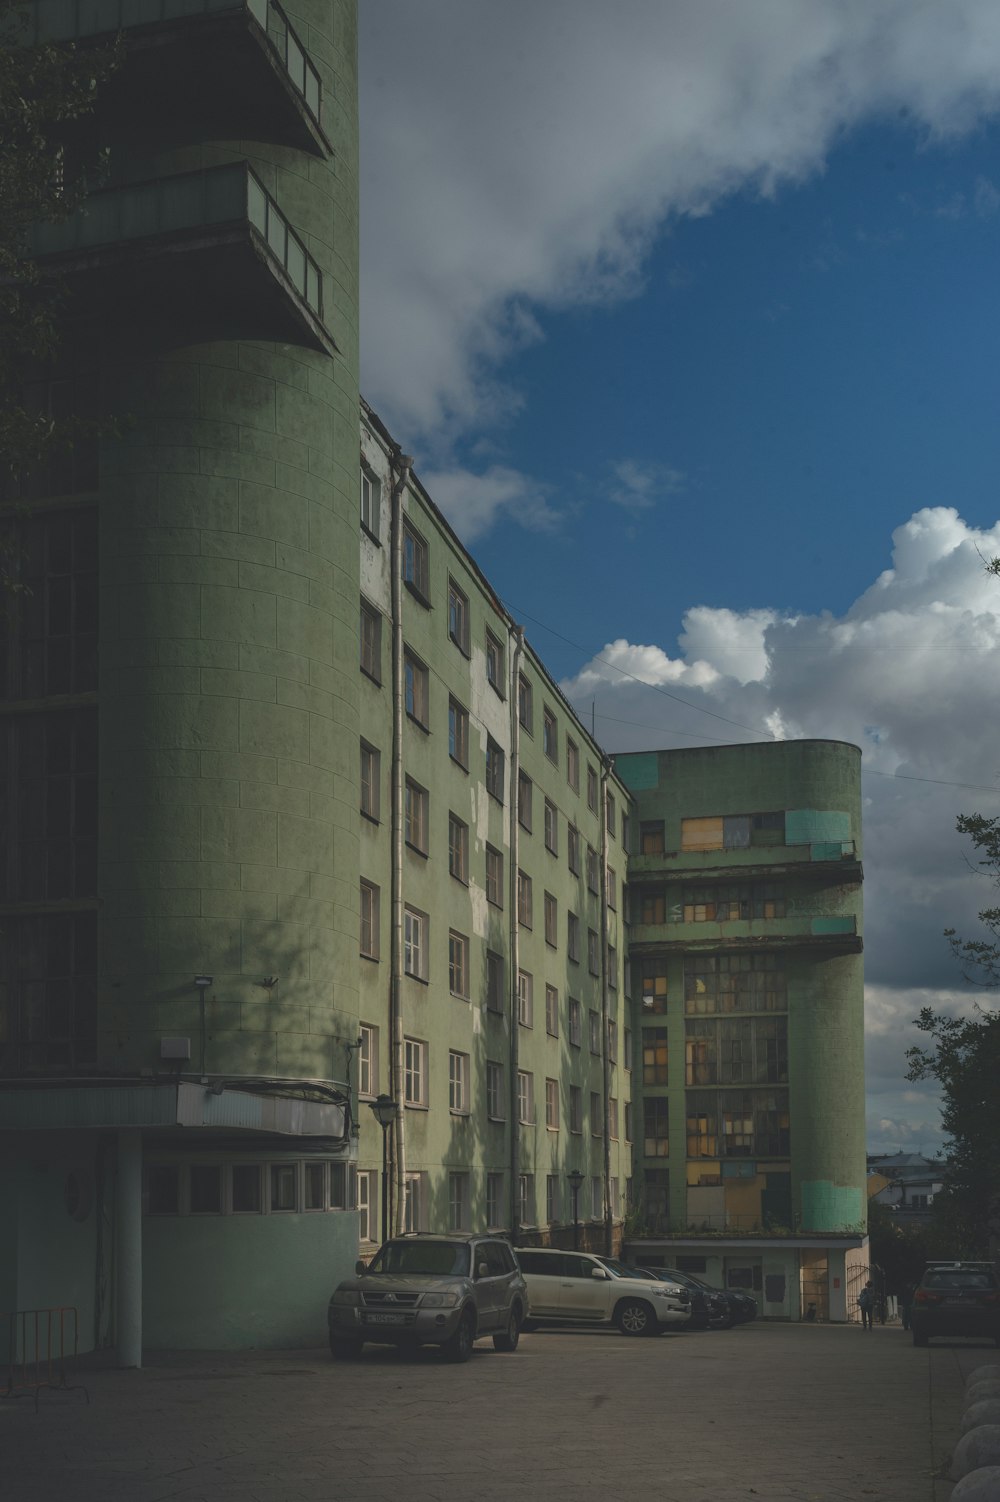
[385,1319]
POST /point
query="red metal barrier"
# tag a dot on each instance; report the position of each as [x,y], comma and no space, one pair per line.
[34,1347]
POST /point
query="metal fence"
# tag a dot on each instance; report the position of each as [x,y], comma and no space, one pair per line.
[37,1347]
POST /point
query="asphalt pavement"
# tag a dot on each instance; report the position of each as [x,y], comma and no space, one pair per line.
[786,1413]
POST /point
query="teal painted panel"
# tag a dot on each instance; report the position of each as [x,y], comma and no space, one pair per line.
[639,773]
[846,925]
[832,851]
[815,826]
[832,1207]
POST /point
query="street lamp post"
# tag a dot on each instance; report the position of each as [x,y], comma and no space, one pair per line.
[386,1110]
[575,1180]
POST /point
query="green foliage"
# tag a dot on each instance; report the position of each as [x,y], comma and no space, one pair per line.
[46,91]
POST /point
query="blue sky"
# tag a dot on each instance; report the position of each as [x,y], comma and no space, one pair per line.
[690,316]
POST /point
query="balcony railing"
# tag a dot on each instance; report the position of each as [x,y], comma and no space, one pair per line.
[189,201]
[75,20]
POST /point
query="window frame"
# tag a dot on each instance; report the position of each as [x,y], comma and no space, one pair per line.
[496,658]
[370,645]
[458,848]
[415,1073]
[369,889]
[458,617]
[458,1082]
[416,689]
[371,782]
[458,732]
[458,964]
[416,563]
[371,525]
[416,816]
[415,921]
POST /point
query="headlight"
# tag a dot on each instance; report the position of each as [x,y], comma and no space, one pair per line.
[346,1296]
[439,1301]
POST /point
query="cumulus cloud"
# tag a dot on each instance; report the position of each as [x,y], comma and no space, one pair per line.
[908,674]
[638,486]
[471,501]
[523,157]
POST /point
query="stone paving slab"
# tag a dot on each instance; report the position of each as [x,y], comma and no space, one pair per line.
[783,1413]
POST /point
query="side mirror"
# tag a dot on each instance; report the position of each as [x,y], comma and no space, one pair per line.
[598,1272]
[360,1268]
[482,1270]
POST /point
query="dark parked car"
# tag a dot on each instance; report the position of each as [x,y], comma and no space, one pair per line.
[711,1309]
[431,1290]
[956,1298]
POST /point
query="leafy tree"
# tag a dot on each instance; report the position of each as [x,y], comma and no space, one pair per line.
[964,1059]
[46,90]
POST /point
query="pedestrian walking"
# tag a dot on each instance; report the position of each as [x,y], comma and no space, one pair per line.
[866,1303]
[906,1304]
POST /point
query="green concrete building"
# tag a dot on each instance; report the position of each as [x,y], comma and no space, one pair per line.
[748,993]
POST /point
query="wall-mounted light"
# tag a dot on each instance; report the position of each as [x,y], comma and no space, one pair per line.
[202,981]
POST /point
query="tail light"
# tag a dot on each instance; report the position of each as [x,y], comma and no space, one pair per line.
[990,1298]
[924,1296]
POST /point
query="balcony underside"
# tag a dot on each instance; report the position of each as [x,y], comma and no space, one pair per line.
[193,286]
[654,869]
[842,943]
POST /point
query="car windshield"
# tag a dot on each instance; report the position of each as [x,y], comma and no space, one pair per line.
[959,1278]
[621,1271]
[440,1258]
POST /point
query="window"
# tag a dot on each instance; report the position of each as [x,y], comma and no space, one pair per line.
[551,920]
[612,889]
[573,849]
[573,764]
[246,1189]
[368,1060]
[494,1201]
[552,1198]
[415,943]
[525,999]
[610,813]
[551,827]
[524,696]
[523,899]
[626,833]
[552,1011]
[371,642]
[458,965]
[596,1197]
[575,1012]
[315,1186]
[615,1197]
[415,1202]
[592,870]
[722,902]
[494,876]
[458,733]
[458,617]
[592,789]
[654,988]
[552,1105]
[733,831]
[628,1122]
[371,492]
[458,848]
[656,1130]
[655,1057]
[612,967]
[284,1186]
[414,1072]
[525,1097]
[613,1117]
[550,735]
[494,663]
[369,920]
[459,1217]
[524,790]
[205,1189]
[526,1198]
[494,770]
[416,690]
[652,905]
[416,572]
[163,1189]
[494,982]
[573,937]
[612,1040]
[651,837]
[593,952]
[595,1032]
[367,1197]
[371,799]
[458,1083]
[496,1097]
[575,1109]
[735,983]
[416,801]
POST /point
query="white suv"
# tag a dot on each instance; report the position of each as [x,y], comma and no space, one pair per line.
[582,1288]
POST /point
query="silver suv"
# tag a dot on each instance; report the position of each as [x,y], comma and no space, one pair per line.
[431,1290]
[582,1288]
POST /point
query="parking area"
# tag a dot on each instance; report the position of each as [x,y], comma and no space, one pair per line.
[810,1413]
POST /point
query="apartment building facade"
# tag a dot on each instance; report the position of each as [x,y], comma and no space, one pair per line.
[746,940]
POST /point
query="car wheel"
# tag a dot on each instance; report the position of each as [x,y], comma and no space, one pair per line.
[345,1350]
[459,1346]
[508,1339]
[919,1338]
[634,1317]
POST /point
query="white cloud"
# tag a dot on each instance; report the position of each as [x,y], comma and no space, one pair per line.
[472,502]
[638,485]
[907,673]
[523,157]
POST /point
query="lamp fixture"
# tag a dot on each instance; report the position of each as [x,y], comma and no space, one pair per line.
[203,982]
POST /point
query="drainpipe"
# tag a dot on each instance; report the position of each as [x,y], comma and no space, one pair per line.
[515,943]
[401,464]
[606,767]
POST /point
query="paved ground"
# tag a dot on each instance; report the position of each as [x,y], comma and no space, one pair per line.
[781,1413]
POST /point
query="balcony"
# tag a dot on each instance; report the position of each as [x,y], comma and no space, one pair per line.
[241,60]
[838,862]
[828,932]
[217,254]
